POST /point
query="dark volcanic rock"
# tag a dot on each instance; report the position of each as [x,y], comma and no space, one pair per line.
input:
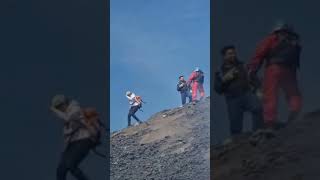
[173,145]
[292,153]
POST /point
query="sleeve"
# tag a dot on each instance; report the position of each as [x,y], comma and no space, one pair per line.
[73,113]
[192,77]
[131,98]
[178,87]
[218,84]
[261,52]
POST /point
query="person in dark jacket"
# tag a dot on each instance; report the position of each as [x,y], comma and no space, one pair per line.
[233,82]
[184,90]
[280,52]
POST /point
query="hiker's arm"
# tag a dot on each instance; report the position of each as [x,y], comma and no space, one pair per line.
[191,78]
[218,84]
[131,98]
[261,52]
[74,113]
[179,86]
[59,113]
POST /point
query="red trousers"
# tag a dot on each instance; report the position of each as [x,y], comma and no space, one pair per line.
[278,77]
[195,88]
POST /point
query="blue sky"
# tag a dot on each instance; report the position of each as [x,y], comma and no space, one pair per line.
[152,43]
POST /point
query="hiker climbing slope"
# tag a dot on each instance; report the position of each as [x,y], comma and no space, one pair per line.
[78,138]
[280,51]
[234,84]
[135,104]
[184,90]
[196,80]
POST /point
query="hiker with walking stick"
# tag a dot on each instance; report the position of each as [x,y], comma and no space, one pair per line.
[135,104]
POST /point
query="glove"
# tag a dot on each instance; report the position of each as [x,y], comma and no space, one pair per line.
[230,75]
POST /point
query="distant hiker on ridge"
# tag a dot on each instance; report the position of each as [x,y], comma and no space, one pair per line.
[80,135]
[196,80]
[135,104]
[184,90]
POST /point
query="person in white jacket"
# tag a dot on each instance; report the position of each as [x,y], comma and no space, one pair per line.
[134,107]
[77,137]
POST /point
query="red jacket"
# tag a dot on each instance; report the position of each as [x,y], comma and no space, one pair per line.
[193,77]
[261,52]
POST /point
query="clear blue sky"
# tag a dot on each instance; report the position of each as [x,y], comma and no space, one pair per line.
[152,43]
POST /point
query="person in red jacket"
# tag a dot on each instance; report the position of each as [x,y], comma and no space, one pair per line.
[280,52]
[197,80]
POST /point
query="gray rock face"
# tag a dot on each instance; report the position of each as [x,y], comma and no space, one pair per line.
[173,145]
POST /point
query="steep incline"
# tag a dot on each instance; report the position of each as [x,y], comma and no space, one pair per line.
[173,145]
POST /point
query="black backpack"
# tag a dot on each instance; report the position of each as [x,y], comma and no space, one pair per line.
[200,77]
[287,52]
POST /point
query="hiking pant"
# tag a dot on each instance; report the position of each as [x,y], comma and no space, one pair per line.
[196,86]
[278,77]
[248,102]
[74,153]
[132,112]
[184,96]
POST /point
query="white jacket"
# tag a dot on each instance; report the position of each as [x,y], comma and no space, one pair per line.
[132,100]
[72,117]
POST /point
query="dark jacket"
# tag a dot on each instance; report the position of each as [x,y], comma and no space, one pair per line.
[238,86]
[183,86]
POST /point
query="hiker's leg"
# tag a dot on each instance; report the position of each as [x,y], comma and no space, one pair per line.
[183,98]
[189,96]
[290,87]
[77,173]
[134,110]
[79,152]
[129,120]
[194,91]
[130,113]
[201,89]
[62,169]
[254,106]
[270,94]
[136,118]
[235,114]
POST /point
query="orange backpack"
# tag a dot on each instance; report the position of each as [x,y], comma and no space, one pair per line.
[92,122]
[138,99]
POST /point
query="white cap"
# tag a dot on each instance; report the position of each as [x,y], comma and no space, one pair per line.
[58,100]
[128,93]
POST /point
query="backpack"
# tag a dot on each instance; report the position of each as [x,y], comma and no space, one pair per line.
[200,77]
[287,51]
[139,100]
[93,124]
